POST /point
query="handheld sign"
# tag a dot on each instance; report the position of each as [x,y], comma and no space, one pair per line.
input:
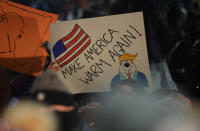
[22,31]
[93,54]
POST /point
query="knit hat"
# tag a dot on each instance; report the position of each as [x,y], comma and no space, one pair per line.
[51,97]
[48,88]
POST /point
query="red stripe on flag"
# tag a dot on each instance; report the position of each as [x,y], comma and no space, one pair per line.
[71,34]
[77,54]
[72,50]
[75,39]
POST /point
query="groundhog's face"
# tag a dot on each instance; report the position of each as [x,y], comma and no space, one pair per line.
[127,67]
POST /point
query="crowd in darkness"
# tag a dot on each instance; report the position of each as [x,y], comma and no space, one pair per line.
[173,40]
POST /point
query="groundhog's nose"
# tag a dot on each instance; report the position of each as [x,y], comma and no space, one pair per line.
[126,65]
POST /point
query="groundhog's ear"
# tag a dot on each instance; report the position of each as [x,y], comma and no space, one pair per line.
[134,56]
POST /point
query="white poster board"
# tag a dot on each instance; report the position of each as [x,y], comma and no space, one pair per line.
[93,53]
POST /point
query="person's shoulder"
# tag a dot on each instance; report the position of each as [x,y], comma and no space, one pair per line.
[115,79]
[141,76]
[140,73]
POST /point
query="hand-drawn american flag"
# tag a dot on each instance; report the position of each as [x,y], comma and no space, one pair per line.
[71,46]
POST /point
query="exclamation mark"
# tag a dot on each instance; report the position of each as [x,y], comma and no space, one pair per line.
[136,30]
[9,42]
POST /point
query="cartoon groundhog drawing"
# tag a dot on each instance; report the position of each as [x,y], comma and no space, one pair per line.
[128,70]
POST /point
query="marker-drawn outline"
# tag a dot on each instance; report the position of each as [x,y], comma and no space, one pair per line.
[45,31]
[18,36]
[78,52]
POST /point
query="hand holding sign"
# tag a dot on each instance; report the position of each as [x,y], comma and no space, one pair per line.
[53,67]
